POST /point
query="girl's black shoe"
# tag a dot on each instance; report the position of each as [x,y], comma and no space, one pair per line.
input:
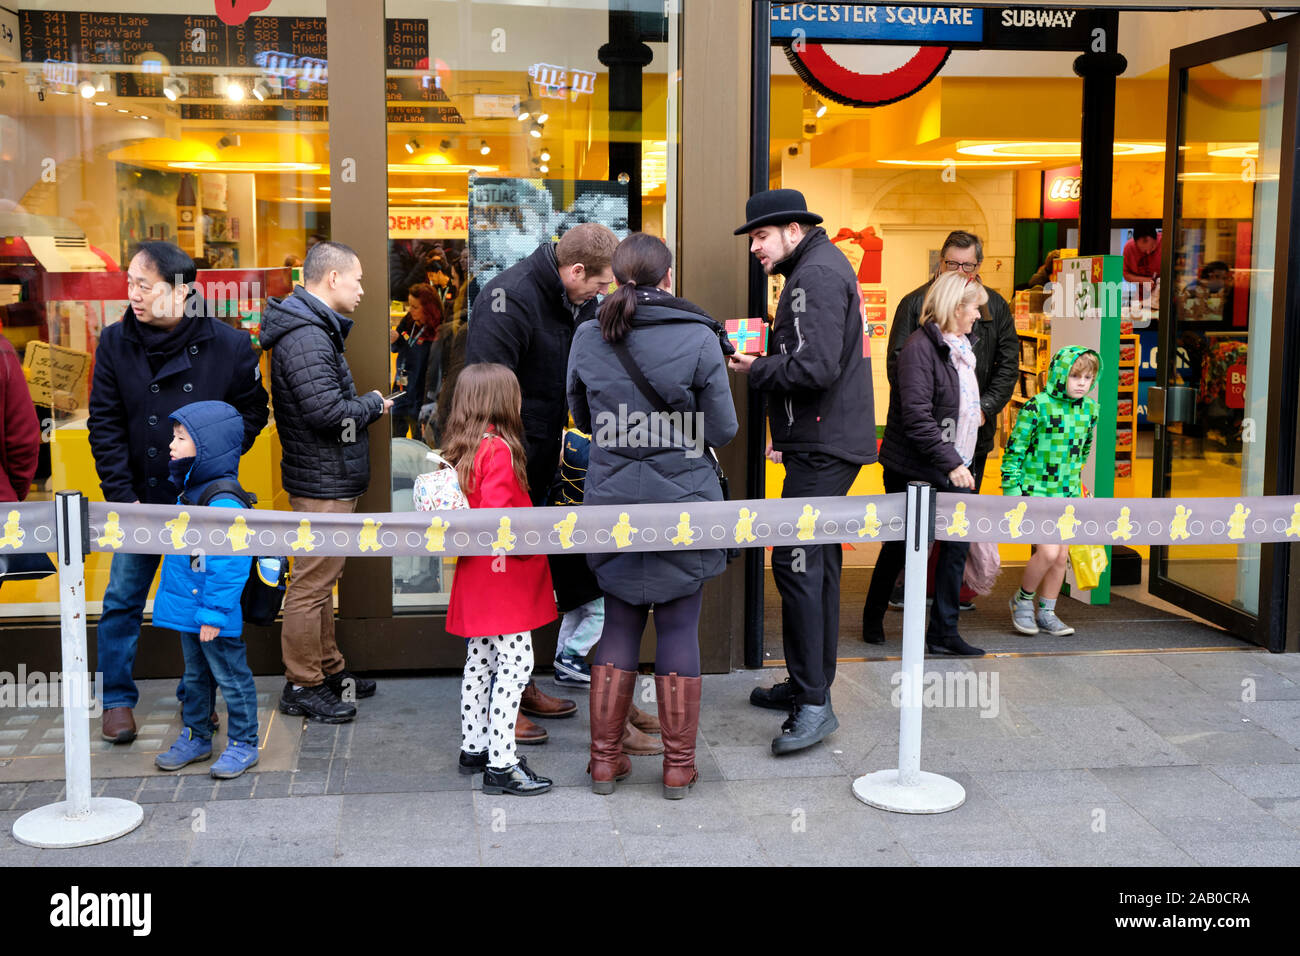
[473,763]
[518,780]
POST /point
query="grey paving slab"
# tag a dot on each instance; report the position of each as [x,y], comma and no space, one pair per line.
[1188,792]
[283,818]
[1279,781]
[550,844]
[778,798]
[1229,676]
[359,780]
[1254,853]
[1252,744]
[463,851]
[738,763]
[856,837]
[707,807]
[222,852]
[559,805]
[1280,717]
[1022,857]
[294,852]
[1104,736]
[704,849]
[401,818]
[1032,790]
[119,853]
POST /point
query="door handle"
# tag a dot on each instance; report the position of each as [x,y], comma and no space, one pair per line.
[1177,403]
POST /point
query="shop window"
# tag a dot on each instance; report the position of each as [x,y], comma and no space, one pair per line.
[510,122]
[118,127]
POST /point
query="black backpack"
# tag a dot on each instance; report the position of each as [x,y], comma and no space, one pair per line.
[268,577]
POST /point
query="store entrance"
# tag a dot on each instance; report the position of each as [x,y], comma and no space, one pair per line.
[1224,412]
[987,141]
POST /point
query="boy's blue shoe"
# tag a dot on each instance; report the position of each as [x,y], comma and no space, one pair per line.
[571,669]
[236,758]
[188,749]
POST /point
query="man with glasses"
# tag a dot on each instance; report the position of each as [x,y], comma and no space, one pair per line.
[167,351]
[994,341]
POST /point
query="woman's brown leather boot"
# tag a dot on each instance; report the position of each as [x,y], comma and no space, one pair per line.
[611,696]
[679,718]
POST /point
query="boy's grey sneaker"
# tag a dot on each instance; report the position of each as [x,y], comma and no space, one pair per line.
[1022,616]
[1053,625]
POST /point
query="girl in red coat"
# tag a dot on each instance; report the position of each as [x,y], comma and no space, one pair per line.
[498,600]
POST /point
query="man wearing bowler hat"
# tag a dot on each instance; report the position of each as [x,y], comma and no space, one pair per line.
[823,428]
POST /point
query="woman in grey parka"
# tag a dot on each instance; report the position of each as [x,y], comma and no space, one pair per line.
[679,350]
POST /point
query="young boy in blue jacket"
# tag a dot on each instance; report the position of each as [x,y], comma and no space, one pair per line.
[200,598]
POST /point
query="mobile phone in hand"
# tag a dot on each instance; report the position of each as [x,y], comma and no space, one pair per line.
[394,396]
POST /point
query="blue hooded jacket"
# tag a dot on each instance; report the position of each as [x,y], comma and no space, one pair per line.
[188,598]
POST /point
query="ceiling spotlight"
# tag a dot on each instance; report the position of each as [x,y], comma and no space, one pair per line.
[412,145]
[175,88]
[821,109]
[535,130]
[543,168]
[101,102]
[261,89]
[543,116]
[483,147]
[234,91]
[546,155]
[527,108]
[444,145]
[87,89]
[230,139]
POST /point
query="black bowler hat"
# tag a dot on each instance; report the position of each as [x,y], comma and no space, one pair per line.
[776,207]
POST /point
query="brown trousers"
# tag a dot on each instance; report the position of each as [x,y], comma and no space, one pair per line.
[307,634]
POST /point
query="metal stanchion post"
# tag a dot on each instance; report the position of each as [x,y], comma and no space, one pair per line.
[80,820]
[909,789]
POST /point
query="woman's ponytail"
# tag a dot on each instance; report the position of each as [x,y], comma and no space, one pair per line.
[640,259]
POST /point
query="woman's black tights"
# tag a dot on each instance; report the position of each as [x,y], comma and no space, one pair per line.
[677,648]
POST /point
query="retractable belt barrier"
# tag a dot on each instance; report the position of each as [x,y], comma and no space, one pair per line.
[73,528]
[169,529]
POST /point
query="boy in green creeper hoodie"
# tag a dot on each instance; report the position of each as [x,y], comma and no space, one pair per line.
[1044,458]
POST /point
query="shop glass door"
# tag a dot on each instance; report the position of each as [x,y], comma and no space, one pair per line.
[1220,428]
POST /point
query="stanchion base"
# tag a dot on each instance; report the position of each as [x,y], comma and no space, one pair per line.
[932,794]
[50,826]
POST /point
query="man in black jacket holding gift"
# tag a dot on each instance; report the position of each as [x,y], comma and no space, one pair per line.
[166,351]
[325,466]
[823,425]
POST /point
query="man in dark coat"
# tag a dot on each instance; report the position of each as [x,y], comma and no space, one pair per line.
[524,319]
[20,433]
[823,427]
[994,341]
[325,467]
[165,352]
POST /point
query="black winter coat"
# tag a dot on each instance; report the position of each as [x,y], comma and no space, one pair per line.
[130,403]
[927,394]
[321,420]
[523,320]
[818,383]
[996,347]
[677,348]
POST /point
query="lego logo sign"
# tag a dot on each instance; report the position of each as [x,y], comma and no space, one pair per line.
[1234,395]
[1063,188]
[1061,193]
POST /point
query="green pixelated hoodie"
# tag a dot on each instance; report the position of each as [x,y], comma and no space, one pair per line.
[1052,437]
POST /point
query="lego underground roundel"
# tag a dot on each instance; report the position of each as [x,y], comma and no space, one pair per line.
[853,75]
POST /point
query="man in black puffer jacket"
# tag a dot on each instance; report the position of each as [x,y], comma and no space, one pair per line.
[823,423]
[325,466]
